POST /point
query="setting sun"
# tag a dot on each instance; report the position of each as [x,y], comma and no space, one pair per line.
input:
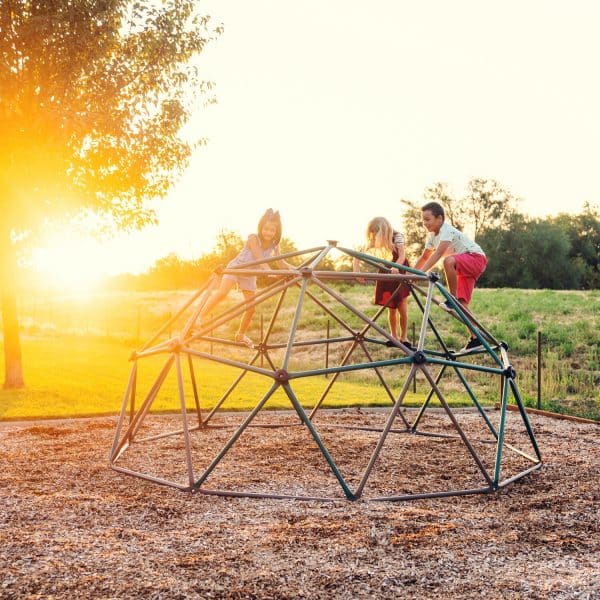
[70,265]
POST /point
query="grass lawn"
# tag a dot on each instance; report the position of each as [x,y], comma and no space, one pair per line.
[80,376]
[75,354]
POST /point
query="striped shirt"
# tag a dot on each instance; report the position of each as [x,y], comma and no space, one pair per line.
[398,239]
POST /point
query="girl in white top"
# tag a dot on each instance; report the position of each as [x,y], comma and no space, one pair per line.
[259,245]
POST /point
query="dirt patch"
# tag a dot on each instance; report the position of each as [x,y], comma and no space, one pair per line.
[72,527]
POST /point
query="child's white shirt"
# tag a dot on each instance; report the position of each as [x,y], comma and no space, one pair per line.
[459,242]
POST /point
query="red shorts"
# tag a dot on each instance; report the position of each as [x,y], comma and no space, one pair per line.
[469,268]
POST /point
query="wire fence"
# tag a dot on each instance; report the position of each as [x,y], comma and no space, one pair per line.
[546,379]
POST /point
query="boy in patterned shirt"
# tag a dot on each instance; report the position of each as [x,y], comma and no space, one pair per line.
[464,260]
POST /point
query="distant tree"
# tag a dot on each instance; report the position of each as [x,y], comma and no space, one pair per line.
[528,254]
[328,264]
[287,245]
[343,262]
[584,233]
[172,273]
[413,230]
[486,205]
[453,209]
[94,95]
[228,245]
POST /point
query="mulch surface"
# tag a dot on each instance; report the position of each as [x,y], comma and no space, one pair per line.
[71,527]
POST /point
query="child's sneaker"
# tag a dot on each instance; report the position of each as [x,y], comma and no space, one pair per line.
[471,345]
[445,306]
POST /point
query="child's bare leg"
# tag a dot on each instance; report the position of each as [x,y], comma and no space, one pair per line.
[247,316]
[452,280]
[451,275]
[465,306]
[403,311]
[220,294]
[393,322]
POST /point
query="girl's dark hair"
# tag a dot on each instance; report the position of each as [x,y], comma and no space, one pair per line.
[271,215]
[435,209]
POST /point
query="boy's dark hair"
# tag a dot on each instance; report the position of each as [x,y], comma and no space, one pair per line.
[271,215]
[435,209]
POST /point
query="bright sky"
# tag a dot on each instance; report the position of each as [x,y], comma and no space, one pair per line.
[333,110]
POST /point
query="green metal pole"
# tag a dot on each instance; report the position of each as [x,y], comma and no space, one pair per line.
[304,418]
[539,370]
[234,437]
[500,437]
[523,412]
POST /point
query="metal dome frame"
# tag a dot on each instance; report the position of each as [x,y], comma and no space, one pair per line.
[425,288]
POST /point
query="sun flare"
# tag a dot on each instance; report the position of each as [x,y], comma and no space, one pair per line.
[72,266]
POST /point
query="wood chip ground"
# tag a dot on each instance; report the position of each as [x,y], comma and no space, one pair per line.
[71,527]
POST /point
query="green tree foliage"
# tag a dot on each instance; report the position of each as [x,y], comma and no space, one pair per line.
[94,94]
[287,245]
[584,234]
[555,253]
[528,254]
[173,273]
[558,253]
[414,232]
[343,262]
[439,192]
[487,204]
[228,245]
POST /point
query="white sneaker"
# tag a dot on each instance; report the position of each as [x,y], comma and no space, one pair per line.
[472,344]
[449,309]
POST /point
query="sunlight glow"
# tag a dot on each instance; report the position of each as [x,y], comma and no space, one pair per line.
[412,104]
[73,266]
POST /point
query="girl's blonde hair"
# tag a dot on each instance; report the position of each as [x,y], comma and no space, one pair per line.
[271,215]
[380,234]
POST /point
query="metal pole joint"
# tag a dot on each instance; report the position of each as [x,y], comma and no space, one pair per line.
[281,376]
[509,372]
[175,346]
[419,357]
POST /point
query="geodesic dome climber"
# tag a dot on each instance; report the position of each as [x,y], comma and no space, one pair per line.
[307,451]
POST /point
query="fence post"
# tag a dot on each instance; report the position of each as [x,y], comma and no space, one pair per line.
[138,325]
[327,351]
[539,370]
[414,346]
[262,336]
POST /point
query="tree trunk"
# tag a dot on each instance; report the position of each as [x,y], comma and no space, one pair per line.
[13,367]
